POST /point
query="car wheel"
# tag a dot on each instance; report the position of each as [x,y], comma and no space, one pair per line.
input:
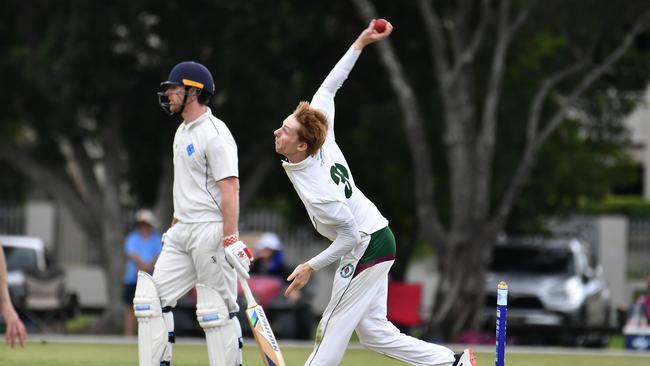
[580,340]
[603,341]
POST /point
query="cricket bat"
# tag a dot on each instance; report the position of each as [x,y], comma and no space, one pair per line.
[261,328]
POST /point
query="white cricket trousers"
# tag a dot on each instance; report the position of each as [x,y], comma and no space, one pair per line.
[359,303]
[194,253]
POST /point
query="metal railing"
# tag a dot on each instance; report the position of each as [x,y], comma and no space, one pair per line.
[12,219]
[638,247]
[299,244]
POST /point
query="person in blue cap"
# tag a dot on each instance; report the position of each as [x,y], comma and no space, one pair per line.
[202,246]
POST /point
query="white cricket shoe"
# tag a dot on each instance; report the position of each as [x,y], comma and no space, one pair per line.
[466,358]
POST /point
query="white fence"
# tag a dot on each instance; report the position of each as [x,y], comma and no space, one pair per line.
[638,246]
[12,219]
[299,244]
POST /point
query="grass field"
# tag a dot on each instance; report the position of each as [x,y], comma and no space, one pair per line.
[71,354]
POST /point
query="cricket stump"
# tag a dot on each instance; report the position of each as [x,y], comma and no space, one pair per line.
[502,310]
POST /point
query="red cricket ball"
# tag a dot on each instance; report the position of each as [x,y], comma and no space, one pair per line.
[380,25]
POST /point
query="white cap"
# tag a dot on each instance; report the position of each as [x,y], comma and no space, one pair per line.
[145,216]
[269,240]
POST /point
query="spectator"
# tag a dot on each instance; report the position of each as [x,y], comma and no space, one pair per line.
[15,329]
[639,315]
[142,247]
[269,257]
[291,317]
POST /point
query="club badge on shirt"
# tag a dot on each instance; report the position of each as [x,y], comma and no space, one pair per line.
[347,270]
[190,149]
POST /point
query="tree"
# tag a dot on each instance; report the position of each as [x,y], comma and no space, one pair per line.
[64,129]
[82,122]
[470,44]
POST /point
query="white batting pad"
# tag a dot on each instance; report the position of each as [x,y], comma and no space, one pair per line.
[153,345]
[221,333]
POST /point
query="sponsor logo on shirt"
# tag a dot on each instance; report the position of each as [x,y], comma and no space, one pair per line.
[347,271]
[190,149]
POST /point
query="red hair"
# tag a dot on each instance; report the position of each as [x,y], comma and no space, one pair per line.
[313,126]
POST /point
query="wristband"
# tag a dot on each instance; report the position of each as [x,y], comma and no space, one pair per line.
[230,239]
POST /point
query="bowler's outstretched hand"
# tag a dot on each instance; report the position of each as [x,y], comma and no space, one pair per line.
[15,329]
[370,35]
[300,277]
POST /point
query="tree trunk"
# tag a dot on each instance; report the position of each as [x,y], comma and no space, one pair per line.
[459,298]
[405,246]
[113,265]
[101,226]
[164,207]
[112,224]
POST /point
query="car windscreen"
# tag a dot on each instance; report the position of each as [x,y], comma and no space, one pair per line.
[20,259]
[538,260]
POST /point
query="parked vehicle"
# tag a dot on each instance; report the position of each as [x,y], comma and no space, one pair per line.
[554,294]
[34,285]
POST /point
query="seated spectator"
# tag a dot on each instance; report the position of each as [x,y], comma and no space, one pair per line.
[269,257]
[639,314]
[290,317]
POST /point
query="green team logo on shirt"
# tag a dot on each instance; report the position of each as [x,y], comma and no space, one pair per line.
[340,175]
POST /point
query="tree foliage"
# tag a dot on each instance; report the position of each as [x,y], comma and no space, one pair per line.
[81,119]
[516,83]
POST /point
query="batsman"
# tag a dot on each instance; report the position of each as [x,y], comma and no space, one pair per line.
[362,242]
[201,248]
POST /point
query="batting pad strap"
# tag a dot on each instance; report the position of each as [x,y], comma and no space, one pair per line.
[169,322]
[211,310]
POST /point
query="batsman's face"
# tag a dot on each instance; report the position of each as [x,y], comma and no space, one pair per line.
[286,138]
[175,93]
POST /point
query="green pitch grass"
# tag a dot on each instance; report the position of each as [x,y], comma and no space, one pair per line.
[71,354]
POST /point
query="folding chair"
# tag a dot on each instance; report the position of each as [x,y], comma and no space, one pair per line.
[44,301]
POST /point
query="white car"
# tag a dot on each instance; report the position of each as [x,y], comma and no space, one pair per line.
[22,254]
[554,295]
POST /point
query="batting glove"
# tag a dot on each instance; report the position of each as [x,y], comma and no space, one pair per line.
[238,255]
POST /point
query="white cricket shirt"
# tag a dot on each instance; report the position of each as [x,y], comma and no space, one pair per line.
[204,153]
[336,206]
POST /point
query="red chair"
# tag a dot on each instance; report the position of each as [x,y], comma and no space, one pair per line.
[404,301]
[264,288]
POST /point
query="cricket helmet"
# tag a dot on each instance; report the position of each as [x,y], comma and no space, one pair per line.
[189,74]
